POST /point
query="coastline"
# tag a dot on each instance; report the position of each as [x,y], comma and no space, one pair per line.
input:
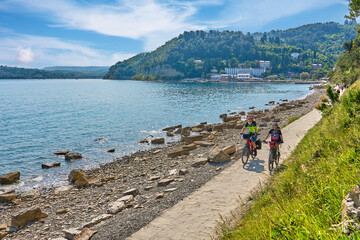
[134,171]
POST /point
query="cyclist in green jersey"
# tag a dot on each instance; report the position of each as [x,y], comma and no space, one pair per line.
[253,130]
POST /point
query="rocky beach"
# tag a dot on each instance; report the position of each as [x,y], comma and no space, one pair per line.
[117,199]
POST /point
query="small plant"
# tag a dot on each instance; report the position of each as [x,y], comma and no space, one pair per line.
[324,99]
[334,96]
[321,106]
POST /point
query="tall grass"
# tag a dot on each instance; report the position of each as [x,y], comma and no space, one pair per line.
[304,200]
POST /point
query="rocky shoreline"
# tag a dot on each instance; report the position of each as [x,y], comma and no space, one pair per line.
[130,192]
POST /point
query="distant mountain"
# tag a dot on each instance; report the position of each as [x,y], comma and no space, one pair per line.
[28,73]
[196,53]
[91,71]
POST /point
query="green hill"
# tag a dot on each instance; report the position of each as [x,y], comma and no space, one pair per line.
[52,72]
[319,43]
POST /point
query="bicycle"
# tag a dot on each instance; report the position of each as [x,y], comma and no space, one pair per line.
[248,150]
[274,156]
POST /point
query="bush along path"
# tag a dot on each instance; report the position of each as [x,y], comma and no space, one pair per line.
[305,200]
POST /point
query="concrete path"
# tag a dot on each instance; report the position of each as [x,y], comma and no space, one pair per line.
[196,216]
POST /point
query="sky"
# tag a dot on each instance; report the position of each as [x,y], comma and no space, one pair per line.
[42,33]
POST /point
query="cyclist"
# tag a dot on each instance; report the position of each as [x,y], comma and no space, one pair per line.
[276,136]
[253,130]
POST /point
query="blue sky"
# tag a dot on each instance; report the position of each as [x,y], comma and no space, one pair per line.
[39,33]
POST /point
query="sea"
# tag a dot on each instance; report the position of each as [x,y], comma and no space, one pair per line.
[39,117]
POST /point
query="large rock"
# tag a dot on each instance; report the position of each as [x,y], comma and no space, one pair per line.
[62,152]
[218,156]
[84,181]
[185,131]
[218,127]
[116,207]
[229,149]
[232,118]
[199,161]
[190,146]
[85,234]
[204,143]
[73,156]
[10,178]
[179,153]
[8,197]
[32,214]
[191,139]
[75,174]
[50,165]
[158,141]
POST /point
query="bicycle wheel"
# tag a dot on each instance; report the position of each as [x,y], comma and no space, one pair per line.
[277,159]
[271,161]
[253,154]
[245,155]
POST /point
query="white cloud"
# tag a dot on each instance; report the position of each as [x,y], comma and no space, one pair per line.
[25,55]
[37,51]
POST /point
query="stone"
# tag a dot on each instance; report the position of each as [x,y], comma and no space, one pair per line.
[183,171]
[190,146]
[71,233]
[153,178]
[62,152]
[199,161]
[191,139]
[10,178]
[73,156]
[3,234]
[143,141]
[8,197]
[111,150]
[159,195]
[232,118]
[3,226]
[252,107]
[75,174]
[126,198]
[197,129]
[170,134]
[85,234]
[138,206]
[239,126]
[50,165]
[178,131]
[99,139]
[223,116]
[218,156]
[170,190]
[84,181]
[31,194]
[116,207]
[165,182]
[61,189]
[132,191]
[97,220]
[157,151]
[218,127]
[211,137]
[179,153]
[28,215]
[148,188]
[185,131]
[158,141]
[229,149]
[172,172]
[169,129]
[204,143]
[62,211]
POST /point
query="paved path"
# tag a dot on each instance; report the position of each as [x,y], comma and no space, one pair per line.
[196,216]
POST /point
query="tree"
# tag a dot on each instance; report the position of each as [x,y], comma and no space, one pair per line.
[263,38]
[304,76]
[277,40]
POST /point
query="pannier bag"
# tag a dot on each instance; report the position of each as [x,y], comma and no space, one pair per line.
[258,144]
[246,136]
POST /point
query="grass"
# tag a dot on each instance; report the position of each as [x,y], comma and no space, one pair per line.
[303,201]
[293,119]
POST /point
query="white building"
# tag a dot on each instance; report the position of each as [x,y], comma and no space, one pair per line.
[242,76]
[198,61]
[264,64]
[295,55]
[257,72]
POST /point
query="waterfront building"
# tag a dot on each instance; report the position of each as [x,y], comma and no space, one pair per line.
[257,72]
[242,76]
[316,66]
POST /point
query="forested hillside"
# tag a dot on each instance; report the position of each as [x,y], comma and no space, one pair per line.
[319,43]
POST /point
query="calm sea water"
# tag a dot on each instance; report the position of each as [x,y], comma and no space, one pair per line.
[39,117]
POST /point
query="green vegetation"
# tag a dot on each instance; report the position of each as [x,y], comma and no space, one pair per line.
[52,72]
[303,200]
[319,43]
[141,76]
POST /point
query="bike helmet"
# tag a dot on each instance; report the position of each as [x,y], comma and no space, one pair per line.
[275,124]
[250,117]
